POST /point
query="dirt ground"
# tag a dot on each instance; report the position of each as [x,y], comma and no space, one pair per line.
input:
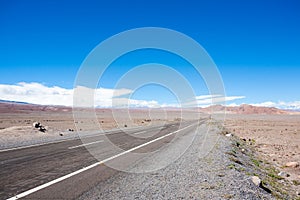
[276,138]
[16,122]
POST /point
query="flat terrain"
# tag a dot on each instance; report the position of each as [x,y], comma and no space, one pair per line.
[146,154]
[16,122]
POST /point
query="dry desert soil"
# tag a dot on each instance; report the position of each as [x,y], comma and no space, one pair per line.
[261,144]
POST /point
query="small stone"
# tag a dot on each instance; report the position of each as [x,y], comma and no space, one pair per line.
[256,180]
[36,124]
[42,129]
[292,164]
[283,174]
[228,135]
[243,150]
[281,181]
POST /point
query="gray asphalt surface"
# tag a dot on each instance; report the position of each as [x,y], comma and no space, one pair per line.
[24,169]
[200,173]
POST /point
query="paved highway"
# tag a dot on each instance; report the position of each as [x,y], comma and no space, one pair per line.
[65,170]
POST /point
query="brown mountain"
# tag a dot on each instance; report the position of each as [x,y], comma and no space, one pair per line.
[20,107]
[244,109]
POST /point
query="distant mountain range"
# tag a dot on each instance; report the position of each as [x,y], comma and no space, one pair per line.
[245,109]
[23,107]
[17,107]
[18,102]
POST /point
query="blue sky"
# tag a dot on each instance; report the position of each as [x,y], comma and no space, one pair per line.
[255,44]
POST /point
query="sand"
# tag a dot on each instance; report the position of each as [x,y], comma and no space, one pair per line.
[276,138]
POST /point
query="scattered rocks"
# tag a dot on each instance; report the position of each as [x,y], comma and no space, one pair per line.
[292,164]
[40,127]
[256,180]
[72,130]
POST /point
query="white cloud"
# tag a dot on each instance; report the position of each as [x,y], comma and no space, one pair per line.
[207,96]
[207,100]
[37,93]
[293,105]
[264,104]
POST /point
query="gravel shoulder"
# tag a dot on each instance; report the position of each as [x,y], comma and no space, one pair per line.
[204,171]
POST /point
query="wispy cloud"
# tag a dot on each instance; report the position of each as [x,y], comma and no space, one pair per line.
[207,100]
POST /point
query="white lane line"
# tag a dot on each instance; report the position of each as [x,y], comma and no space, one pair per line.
[36,145]
[70,139]
[140,132]
[23,194]
[54,142]
[82,145]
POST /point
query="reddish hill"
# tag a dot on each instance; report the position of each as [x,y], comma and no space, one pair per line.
[19,107]
[244,109]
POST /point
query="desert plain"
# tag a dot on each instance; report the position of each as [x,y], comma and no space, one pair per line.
[273,134]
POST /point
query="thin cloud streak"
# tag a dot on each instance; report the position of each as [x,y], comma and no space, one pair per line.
[208,100]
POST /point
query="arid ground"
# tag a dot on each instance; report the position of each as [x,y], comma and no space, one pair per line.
[16,121]
[276,139]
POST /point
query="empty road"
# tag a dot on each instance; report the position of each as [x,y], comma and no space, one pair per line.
[66,170]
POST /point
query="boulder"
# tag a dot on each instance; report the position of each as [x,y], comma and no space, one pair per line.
[42,129]
[256,180]
[36,124]
[39,126]
[292,164]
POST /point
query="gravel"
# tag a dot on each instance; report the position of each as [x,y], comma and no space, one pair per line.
[202,172]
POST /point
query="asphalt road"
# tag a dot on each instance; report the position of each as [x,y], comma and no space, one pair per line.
[56,167]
